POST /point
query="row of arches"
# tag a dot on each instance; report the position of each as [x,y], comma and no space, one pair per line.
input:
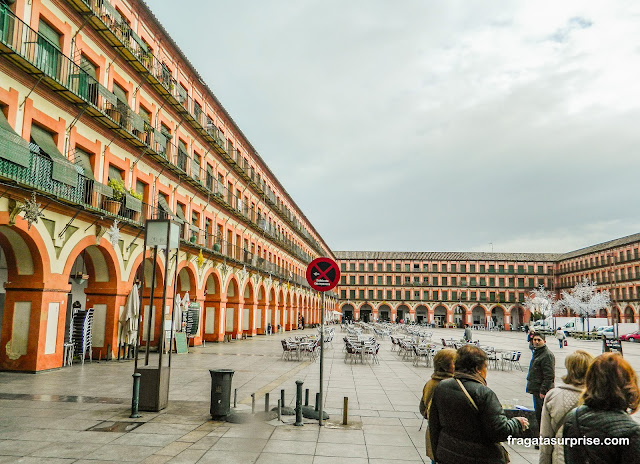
[43,279]
[512,316]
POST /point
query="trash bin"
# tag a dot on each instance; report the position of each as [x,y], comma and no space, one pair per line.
[220,392]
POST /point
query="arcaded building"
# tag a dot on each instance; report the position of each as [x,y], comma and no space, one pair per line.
[482,289]
[104,124]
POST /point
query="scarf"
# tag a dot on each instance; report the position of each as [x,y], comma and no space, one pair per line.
[475,377]
[441,375]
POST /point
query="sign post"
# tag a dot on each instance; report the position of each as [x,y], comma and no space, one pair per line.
[323,274]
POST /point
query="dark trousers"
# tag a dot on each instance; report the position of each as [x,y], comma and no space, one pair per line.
[537,405]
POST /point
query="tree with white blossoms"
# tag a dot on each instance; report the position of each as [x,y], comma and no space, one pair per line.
[540,301]
[583,300]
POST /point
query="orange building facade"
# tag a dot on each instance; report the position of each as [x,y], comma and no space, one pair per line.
[105,124]
[483,289]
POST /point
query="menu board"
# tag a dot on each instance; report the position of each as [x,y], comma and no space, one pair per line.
[611,345]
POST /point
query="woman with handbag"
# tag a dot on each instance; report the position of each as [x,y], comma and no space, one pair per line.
[559,401]
[443,366]
[610,396]
[466,421]
[561,337]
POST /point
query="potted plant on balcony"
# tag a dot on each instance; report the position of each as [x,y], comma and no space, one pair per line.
[113,204]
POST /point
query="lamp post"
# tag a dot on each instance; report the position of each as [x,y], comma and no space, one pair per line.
[614,307]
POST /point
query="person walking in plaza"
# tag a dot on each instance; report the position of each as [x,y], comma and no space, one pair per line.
[443,366]
[561,336]
[467,333]
[542,374]
[466,421]
[529,338]
[559,401]
[610,396]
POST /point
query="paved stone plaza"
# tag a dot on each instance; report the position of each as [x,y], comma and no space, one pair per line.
[45,417]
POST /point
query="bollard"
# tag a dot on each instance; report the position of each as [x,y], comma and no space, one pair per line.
[135,400]
[282,403]
[235,397]
[266,402]
[306,397]
[345,410]
[253,403]
[317,401]
[279,410]
[299,403]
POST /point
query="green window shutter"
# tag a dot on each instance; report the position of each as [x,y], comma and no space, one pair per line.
[49,33]
[13,147]
[114,173]
[83,159]
[120,93]
[88,67]
[63,170]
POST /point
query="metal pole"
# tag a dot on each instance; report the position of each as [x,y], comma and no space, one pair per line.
[135,400]
[253,403]
[282,403]
[279,411]
[320,409]
[345,410]
[235,397]
[266,402]
[306,397]
[299,403]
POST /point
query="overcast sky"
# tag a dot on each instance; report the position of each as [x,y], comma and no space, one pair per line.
[421,125]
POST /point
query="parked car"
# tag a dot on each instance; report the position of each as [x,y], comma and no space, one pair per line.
[631,337]
[606,332]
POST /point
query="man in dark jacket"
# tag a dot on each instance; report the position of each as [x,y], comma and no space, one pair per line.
[542,372]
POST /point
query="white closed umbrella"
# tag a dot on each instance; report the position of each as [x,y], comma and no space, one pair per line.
[129,318]
[177,313]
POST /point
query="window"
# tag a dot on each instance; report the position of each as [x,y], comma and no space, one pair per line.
[361,294]
[141,188]
[510,268]
[352,280]
[521,282]
[435,281]
[361,267]
[540,270]
[425,267]
[454,281]
[472,268]
[463,268]
[352,294]
[407,279]
[48,49]
[398,295]
[398,267]
[444,281]
[388,267]
[352,266]
[84,159]
[434,267]
[379,267]
[389,294]
[416,295]
[453,268]
[407,268]
[343,280]
[501,268]
[380,280]
[443,268]
[343,267]
[435,295]
[501,282]
[115,173]
[482,268]
[379,294]
[398,281]
[425,295]
[343,294]
[370,294]
[360,280]
[370,280]
[454,294]
[389,280]
[473,296]
[370,266]
[425,280]
[492,281]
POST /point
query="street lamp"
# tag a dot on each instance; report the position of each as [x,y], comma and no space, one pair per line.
[614,307]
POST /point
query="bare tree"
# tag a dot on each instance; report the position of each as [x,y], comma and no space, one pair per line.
[541,301]
[583,300]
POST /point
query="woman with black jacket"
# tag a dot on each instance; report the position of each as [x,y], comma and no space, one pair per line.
[611,393]
[466,421]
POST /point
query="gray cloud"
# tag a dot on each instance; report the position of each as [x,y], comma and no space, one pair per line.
[436,126]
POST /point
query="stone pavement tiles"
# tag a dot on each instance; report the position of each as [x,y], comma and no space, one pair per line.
[52,417]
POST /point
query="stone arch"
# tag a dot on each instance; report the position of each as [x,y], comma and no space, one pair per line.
[460,315]
[479,315]
[348,312]
[603,313]
[24,313]
[366,312]
[402,312]
[629,316]
[497,317]
[384,312]
[422,314]
[440,315]
[516,317]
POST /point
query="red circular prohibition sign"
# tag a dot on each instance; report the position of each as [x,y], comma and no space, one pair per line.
[323,274]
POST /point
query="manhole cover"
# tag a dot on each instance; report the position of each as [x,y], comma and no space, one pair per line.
[109,426]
